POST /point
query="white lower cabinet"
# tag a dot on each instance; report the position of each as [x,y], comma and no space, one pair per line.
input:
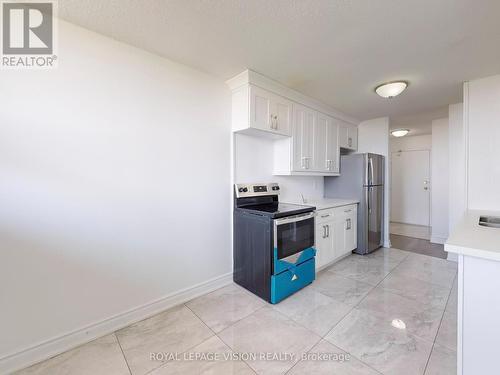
[336,234]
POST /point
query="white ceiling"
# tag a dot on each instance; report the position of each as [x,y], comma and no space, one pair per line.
[420,123]
[334,50]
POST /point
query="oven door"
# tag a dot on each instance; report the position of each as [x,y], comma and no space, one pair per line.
[292,235]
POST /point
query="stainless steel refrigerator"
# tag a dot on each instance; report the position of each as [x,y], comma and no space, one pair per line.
[362,178]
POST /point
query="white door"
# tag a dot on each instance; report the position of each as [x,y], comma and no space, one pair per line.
[343,135]
[352,138]
[410,187]
[339,230]
[320,141]
[260,109]
[304,119]
[325,250]
[332,147]
[282,110]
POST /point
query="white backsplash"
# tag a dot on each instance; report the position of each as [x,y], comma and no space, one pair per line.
[254,163]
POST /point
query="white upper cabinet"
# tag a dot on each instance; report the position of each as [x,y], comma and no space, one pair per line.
[332,147]
[302,139]
[256,110]
[313,149]
[308,135]
[320,142]
[348,136]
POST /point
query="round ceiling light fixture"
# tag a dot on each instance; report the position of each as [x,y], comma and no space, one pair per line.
[391,89]
[399,132]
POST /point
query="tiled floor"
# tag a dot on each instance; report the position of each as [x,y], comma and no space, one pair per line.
[417,245]
[390,312]
[409,230]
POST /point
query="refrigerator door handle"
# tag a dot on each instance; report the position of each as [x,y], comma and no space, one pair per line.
[368,199]
[370,167]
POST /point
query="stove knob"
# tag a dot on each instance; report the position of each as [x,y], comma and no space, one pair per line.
[245,190]
[242,190]
[276,187]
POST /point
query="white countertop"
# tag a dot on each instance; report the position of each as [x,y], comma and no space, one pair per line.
[469,238]
[324,203]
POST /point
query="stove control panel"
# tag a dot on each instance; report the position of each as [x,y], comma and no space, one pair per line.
[255,190]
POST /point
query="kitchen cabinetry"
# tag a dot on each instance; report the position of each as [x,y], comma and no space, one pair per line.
[305,131]
[348,136]
[314,147]
[255,110]
[336,234]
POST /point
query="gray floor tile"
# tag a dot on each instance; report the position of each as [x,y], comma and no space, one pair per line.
[390,350]
[269,331]
[225,306]
[100,357]
[443,361]
[173,331]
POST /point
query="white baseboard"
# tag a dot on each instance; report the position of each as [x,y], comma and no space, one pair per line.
[438,239]
[70,340]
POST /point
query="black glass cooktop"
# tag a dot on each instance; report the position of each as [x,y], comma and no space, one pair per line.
[276,209]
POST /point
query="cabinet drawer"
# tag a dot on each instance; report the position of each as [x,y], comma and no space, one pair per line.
[288,282]
[323,216]
[345,210]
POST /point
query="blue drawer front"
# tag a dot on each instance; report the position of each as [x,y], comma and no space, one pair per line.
[290,281]
[282,265]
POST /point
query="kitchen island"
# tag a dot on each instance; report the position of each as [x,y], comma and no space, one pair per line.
[478,250]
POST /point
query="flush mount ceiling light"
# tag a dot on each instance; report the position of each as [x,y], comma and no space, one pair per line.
[399,132]
[391,89]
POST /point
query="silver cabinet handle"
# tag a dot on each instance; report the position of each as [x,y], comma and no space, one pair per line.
[349,141]
[274,122]
[328,231]
[348,224]
[348,210]
[303,163]
[323,216]
[324,231]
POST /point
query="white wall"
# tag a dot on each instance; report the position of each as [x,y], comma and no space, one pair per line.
[373,136]
[457,162]
[254,163]
[412,143]
[482,124]
[439,181]
[114,186]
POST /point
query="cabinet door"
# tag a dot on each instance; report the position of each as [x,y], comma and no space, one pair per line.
[351,232]
[321,245]
[281,110]
[352,138]
[304,119]
[260,109]
[339,230]
[325,249]
[320,143]
[343,135]
[332,147]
